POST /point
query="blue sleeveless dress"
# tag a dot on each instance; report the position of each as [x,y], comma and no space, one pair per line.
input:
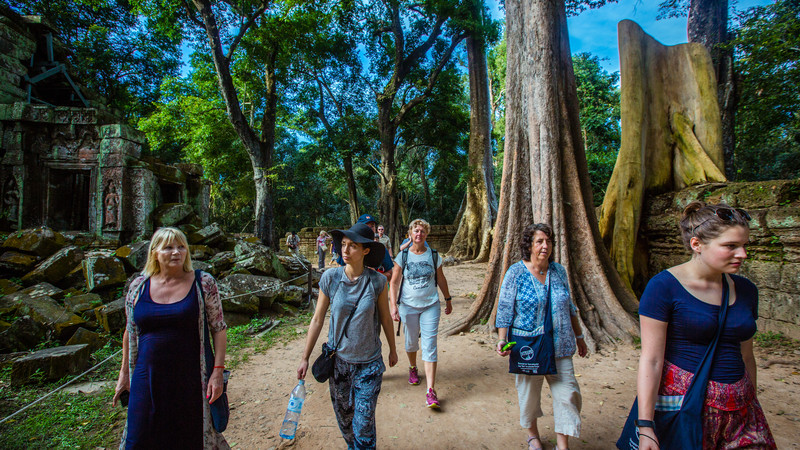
[165,408]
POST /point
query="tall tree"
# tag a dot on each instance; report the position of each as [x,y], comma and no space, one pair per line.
[473,237]
[263,38]
[767,46]
[707,24]
[411,43]
[545,177]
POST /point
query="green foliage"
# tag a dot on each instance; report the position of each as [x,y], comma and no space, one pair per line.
[770,340]
[241,343]
[113,49]
[598,99]
[767,49]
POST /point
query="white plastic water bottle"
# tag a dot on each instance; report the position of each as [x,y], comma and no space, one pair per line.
[289,426]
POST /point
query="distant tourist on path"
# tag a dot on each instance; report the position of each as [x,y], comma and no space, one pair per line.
[678,314]
[520,310]
[358,370]
[162,351]
[415,299]
[293,242]
[386,265]
[384,239]
[322,247]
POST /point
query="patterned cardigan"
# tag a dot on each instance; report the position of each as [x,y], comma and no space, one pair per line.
[213,307]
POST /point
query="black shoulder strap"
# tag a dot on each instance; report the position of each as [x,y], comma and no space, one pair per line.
[435,257]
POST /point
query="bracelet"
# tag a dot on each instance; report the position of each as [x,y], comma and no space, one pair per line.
[580,336]
[219,367]
[447,299]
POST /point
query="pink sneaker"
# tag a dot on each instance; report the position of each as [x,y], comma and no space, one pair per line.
[431,400]
[413,376]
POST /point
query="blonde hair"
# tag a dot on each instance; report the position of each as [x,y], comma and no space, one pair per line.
[160,239]
[419,222]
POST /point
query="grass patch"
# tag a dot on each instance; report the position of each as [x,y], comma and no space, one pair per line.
[770,340]
[63,420]
[242,342]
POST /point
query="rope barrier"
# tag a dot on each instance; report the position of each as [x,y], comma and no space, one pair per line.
[7,418]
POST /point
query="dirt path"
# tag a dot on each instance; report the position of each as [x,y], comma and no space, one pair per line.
[479,401]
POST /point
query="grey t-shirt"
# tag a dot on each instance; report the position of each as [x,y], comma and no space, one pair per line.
[419,287]
[362,342]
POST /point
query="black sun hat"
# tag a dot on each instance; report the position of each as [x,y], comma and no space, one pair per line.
[361,234]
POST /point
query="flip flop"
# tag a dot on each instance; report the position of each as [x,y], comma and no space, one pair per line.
[540,447]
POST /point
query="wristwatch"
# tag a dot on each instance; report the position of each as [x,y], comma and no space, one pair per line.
[644,424]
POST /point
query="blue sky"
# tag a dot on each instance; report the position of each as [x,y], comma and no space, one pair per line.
[595,31]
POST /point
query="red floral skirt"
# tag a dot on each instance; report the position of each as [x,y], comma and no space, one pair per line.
[732,416]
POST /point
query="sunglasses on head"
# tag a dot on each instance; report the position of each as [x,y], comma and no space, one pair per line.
[726,215]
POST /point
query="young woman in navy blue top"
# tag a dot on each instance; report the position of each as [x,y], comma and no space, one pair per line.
[678,316]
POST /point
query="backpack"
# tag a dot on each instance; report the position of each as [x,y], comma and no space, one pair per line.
[434,257]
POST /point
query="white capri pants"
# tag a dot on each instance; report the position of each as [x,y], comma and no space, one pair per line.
[424,322]
[566,398]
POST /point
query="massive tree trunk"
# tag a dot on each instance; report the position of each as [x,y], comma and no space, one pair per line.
[708,25]
[670,134]
[259,150]
[545,176]
[473,238]
[352,192]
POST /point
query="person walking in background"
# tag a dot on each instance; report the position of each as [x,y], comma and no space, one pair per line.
[293,242]
[322,247]
[679,312]
[163,364]
[384,239]
[415,299]
[386,265]
[526,287]
[358,368]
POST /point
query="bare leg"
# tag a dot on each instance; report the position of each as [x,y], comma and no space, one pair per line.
[562,441]
[412,358]
[534,431]
[430,373]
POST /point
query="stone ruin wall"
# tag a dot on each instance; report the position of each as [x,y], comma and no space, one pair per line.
[773,262]
[76,168]
[440,238]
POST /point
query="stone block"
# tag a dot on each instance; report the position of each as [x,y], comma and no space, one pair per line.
[244,247]
[8,287]
[56,267]
[90,338]
[134,255]
[102,272]
[41,241]
[53,363]
[17,262]
[790,277]
[785,217]
[291,295]
[122,131]
[209,235]
[167,173]
[202,265]
[201,252]
[765,274]
[43,289]
[81,303]
[256,263]
[188,229]
[25,333]
[170,214]
[255,291]
[294,265]
[195,170]
[112,316]
[46,312]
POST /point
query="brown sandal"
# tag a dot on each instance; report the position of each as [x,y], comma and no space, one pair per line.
[540,447]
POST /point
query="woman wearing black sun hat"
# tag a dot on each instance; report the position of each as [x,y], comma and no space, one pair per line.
[358,370]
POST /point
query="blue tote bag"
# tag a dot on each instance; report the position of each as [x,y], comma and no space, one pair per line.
[679,418]
[535,355]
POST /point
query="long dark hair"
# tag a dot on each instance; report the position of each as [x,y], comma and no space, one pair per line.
[527,240]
